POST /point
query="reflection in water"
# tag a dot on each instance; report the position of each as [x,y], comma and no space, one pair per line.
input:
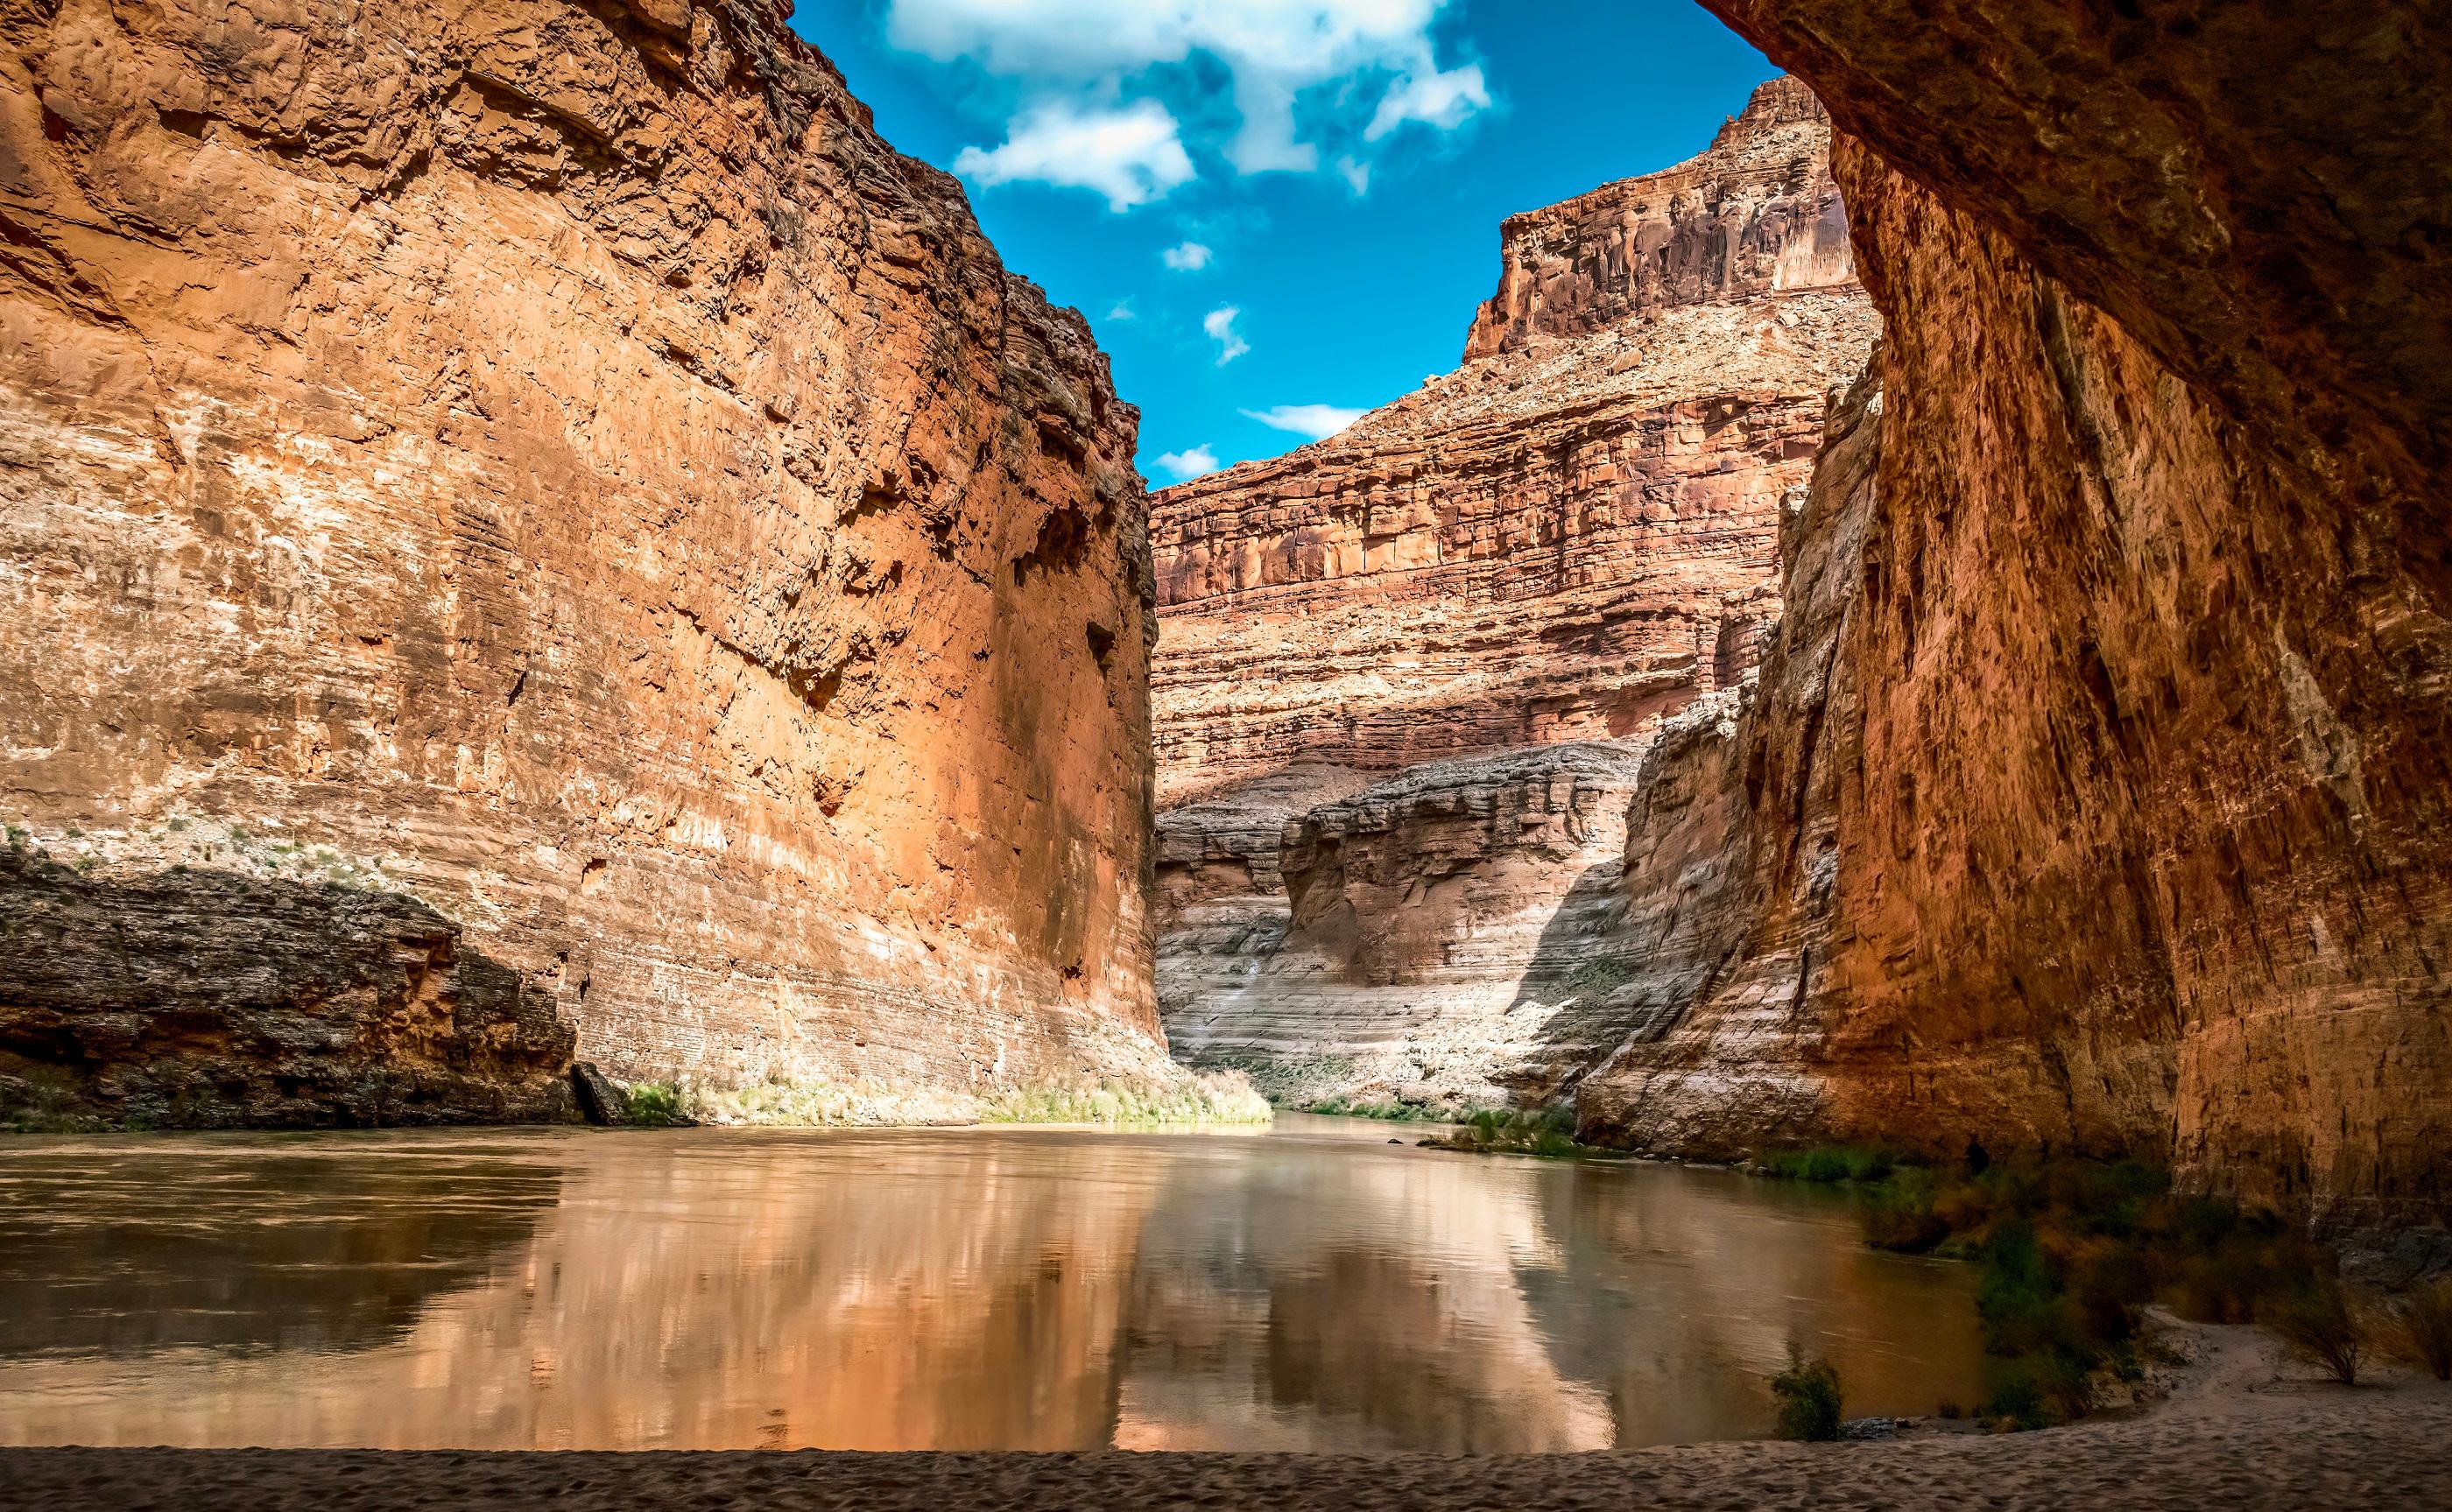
[1309,1288]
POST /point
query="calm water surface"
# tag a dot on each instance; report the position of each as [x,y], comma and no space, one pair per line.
[1310,1287]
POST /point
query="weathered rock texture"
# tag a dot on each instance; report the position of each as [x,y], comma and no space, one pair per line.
[2120,814]
[1757,214]
[1566,542]
[554,452]
[233,998]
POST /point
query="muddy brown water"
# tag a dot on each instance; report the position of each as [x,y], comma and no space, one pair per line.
[1312,1288]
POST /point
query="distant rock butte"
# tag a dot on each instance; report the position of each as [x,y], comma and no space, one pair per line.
[554,460]
[1407,673]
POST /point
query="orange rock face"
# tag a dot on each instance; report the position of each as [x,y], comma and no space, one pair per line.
[1562,544]
[556,459]
[2102,803]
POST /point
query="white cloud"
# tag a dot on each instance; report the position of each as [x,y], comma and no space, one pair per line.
[1444,100]
[1189,258]
[1314,421]
[1275,53]
[1357,175]
[1124,311]
[1131,155]
[1219,323]
[1185,465]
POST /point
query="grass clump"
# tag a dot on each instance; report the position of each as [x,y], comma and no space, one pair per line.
[2422,1329]
[2319,1324]
[1810,1399]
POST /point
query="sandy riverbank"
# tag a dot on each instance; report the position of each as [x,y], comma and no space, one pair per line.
[2239,1430]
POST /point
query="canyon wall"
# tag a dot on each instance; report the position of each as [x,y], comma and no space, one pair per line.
[550,465]
[2099,800]
[1407,673]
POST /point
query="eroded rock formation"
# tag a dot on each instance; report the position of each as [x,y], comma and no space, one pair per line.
[553,456]
[2114,817]
[1408,672]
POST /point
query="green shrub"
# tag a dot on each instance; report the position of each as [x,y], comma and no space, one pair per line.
[1517,1131]
[1830,1163]
[2016,1399]
[655,1105]
[2319,1324]
[1385,1108]
[1810,1399]
[2422,1329]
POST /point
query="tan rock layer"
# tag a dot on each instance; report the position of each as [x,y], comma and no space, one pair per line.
[556,453]
[1429,938]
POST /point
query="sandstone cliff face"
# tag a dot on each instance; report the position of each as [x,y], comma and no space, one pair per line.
[1566,542]
[1757,214]
[2136,834]
[1428,939]
[553,456]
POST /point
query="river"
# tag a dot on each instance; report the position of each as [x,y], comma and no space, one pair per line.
[1310,1288]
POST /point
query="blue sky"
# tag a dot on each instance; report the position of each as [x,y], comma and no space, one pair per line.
[1278,209]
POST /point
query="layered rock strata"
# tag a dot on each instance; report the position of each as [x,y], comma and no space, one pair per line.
[555,456]
[2120,811]
[1562,544]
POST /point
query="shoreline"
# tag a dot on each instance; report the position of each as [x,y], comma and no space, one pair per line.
[2236,1428]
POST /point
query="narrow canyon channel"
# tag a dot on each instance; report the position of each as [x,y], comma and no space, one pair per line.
[1308,1287]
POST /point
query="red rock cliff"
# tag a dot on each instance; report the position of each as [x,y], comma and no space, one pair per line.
[2115,817]
[1390,659]
[553,460]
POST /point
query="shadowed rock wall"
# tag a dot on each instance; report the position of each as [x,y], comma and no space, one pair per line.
[2127,830]
[553,454]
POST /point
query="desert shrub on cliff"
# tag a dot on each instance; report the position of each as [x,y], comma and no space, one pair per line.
[2422,1329]
[1601,975]
[1810,1399]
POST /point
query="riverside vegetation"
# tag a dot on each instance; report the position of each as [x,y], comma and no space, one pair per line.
[2073,1250]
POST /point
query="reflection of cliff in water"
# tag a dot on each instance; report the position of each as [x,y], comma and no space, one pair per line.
[702,1292]
[1676,1300]
[1308,1289]
[1320,1334]
[251,1243]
